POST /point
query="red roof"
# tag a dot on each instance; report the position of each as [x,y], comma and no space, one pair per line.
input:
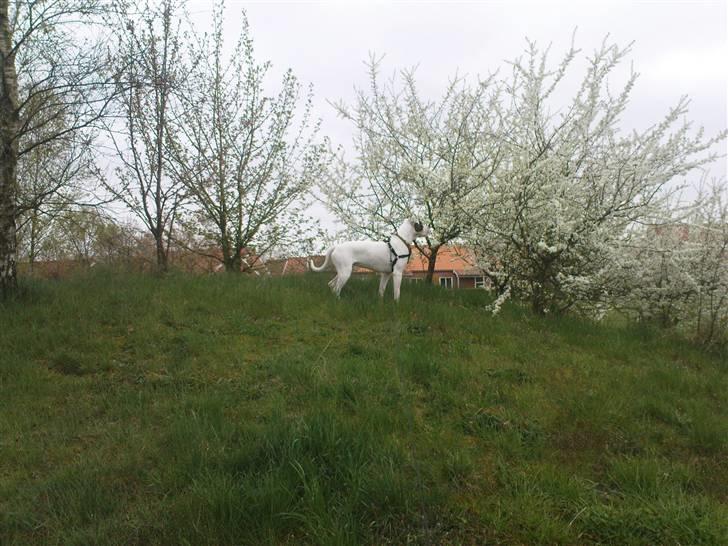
[449,258]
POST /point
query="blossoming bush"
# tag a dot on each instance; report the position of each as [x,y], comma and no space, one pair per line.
[558,220]
[677,272]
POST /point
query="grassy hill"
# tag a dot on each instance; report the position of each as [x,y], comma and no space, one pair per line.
[227,410]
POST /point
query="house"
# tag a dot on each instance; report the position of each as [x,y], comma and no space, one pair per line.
[675,232]
[455,267]
[295,265]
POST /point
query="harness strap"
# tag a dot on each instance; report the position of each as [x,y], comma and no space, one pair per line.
[396,256]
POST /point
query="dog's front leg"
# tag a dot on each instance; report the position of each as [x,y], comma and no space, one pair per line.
[396,282]
[383,280]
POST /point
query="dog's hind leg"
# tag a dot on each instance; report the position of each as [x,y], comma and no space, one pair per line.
[383,280]
[341,280]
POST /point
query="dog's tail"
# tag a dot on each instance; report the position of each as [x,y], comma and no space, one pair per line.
[325,265]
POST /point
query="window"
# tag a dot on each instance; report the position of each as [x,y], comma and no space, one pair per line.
[480,282]
[446,282]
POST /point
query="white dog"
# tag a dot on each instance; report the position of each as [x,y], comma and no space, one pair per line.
[389,258]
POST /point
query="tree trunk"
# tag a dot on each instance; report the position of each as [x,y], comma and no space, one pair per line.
[33,241]
[538,293]
[537,304]
[431,261]
[9,122]
[230,258]
[162,262]
[8,231]
[232,263]
[160,113]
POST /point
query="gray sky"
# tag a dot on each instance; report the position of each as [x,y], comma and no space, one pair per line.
[680,47]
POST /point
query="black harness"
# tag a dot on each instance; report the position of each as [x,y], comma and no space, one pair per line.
[395,256]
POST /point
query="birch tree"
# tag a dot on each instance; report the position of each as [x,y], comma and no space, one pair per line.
[415,157]
[246,158]
[54,83]
[560,213]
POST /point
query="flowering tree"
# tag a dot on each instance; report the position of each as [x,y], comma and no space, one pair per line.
[416,158]
[676,272]
[711,267]
[245,162]
[560,212]
[148,59]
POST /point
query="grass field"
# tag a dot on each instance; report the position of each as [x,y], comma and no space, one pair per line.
[226,410]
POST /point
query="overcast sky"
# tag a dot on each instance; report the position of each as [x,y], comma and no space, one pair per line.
[680,47]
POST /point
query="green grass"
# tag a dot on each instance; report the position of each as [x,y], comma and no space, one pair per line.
[234,410]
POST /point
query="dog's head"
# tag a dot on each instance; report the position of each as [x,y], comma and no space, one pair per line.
[421,230]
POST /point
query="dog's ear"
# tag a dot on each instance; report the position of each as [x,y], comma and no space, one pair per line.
[418,226]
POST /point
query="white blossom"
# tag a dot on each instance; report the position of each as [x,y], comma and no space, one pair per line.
[557,218]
